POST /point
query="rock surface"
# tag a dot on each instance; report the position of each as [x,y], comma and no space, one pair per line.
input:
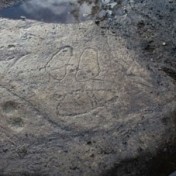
[82,99]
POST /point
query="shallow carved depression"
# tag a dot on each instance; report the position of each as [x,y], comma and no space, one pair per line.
[58,11]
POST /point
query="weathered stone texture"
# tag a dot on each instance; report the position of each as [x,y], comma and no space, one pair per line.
[76,100]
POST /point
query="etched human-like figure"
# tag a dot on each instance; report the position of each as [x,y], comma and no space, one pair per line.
[57,65]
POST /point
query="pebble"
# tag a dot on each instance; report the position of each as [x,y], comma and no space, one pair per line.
[164,43]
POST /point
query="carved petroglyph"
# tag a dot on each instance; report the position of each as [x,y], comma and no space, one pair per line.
[82,102]
[88,65]
[57,65]
[75,83]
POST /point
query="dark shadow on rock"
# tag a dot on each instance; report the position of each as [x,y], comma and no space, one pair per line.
[160,162]
[149,29]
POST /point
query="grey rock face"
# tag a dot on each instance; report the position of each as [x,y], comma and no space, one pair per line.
[76,100]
